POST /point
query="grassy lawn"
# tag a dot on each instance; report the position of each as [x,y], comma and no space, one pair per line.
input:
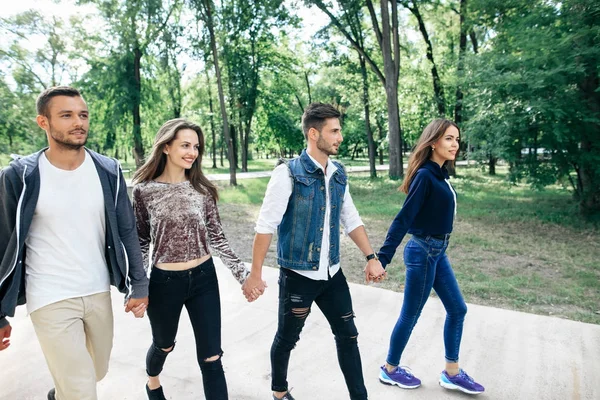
[512,247]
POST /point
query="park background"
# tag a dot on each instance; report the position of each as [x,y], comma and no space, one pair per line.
[521,78]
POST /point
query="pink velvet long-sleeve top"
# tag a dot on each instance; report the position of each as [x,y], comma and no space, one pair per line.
[181,223]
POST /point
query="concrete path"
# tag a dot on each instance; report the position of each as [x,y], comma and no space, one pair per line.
[514,355]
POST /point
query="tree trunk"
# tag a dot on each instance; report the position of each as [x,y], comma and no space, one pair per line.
[212,122]
[246,146]
[370,141]
[234,142]
[492,164]
[389,42]
[589,200]
[241,142]
[221,147]
[391,71]
[438,89]
[354,151]
[381,137]
[138,146]
[213,44]
[307,87]
[474,41]
[462,47]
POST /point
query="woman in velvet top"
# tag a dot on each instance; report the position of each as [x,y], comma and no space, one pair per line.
[177,216]
[428,215]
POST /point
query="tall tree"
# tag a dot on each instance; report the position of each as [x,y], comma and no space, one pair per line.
[204,12]
[462,48]
[438,88]
[248,49]
[136,24]
[389,44]
[537,82]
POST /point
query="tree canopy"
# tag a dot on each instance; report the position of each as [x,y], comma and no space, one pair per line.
[521,78]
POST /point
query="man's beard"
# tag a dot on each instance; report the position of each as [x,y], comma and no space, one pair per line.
[65,144]
[322,145]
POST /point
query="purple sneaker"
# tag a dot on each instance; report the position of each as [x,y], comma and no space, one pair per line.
[462,382]
[399,377]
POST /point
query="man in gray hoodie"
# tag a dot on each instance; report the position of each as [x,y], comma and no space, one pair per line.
[67,232]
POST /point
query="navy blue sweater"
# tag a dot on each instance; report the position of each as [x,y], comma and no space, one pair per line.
[428,209]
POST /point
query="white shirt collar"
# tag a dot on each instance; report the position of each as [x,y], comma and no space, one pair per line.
[331,168]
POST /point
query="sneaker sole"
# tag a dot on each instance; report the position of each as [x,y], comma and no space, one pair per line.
[452,386]
[390,382]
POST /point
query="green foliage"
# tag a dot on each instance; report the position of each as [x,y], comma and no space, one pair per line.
[537,87]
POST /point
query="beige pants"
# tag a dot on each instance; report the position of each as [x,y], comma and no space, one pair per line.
[76,336]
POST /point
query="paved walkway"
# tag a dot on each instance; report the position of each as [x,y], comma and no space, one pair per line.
[515,355]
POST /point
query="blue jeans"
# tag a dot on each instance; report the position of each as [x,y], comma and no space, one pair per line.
[296,295]
[427,267]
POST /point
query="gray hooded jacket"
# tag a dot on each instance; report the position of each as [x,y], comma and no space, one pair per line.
[19,191]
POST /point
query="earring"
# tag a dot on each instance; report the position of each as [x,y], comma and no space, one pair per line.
[432,148]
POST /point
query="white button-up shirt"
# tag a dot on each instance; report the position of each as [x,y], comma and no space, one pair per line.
[276,201]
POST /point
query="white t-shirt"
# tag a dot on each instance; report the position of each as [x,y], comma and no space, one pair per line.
[66,242]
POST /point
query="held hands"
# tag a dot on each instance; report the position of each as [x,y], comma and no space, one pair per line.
[137,306]
[254,287]
[374,272]
[5,337]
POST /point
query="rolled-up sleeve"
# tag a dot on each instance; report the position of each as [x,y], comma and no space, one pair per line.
[275,202]
[349,216]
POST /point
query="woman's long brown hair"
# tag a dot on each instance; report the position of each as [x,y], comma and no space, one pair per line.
[422,150]
[155,164]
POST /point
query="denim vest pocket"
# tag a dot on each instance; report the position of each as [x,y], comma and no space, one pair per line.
[305,187]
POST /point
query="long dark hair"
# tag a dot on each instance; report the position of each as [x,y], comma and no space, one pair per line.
[422,150]
[155,164]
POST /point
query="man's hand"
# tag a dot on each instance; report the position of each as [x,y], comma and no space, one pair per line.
[137,306]
[5,337]
[254,287]
[374,272]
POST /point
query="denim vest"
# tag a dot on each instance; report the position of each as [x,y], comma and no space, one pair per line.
[300,232]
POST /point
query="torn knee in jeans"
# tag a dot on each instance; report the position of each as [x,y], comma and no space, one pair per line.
[155,359]
[348,317]
[212,359]
[301,313]
[212,364]
[163,350]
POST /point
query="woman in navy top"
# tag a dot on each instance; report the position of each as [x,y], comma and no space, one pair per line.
[428,213]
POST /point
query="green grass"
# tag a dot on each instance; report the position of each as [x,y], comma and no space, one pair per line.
[247,192]
[512,247]
[4,160]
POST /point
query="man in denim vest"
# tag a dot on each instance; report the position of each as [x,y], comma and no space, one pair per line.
[307,200]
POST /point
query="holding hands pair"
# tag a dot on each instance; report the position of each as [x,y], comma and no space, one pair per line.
[374,271]
[137,306]
[253,287]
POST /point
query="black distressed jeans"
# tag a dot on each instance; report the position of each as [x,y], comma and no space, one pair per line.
[296,295]
[198,290]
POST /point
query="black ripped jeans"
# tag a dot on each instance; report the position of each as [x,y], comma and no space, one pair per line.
[198,290]
[296,295]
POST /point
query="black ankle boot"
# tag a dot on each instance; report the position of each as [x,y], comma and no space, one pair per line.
[156,394]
